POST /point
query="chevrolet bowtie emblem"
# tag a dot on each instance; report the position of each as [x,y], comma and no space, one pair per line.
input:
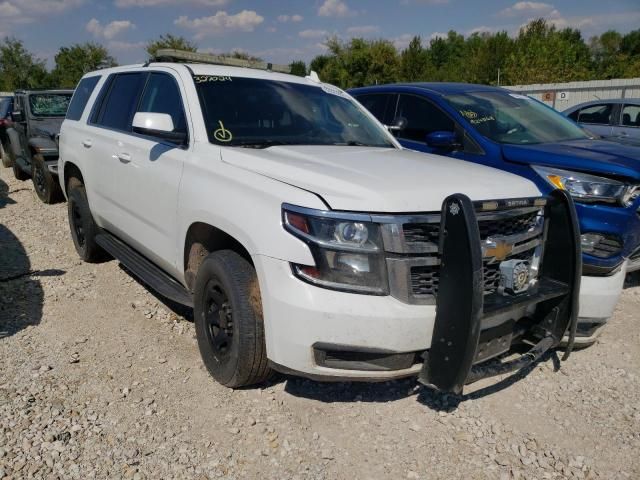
[497,249]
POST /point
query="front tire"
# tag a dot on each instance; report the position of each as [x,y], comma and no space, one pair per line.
[228,320]
[44,183]
[83,229]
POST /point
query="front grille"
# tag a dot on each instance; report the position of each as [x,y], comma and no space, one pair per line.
[425,280]
[507,226]
[421,232]
[418,275]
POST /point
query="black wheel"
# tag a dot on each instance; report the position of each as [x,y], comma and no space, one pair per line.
[83,228]
[228,320]
[18,172]
[45,184]
[6,159]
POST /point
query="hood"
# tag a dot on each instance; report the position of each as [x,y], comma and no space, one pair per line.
[385,180]
[591,156]
[46,127]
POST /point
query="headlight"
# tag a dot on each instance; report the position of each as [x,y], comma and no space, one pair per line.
[347,250]
[590,188]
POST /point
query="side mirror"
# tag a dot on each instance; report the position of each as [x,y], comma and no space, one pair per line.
[399,124]
[158,125]
[442,139]
[17,116]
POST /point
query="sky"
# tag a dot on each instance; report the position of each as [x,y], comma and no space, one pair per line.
[281,31]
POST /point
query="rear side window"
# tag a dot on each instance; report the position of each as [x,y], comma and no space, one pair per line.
[596,114]
[5,107]
[162,95]
[378,104]
[121,101]
[631,116]
[81,97]
[422,118]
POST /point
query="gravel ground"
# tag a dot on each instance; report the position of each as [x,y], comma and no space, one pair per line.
[101,379]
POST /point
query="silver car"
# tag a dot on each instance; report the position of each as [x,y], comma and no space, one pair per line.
[612,119]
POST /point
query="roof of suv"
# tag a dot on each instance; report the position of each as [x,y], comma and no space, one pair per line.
[213,70]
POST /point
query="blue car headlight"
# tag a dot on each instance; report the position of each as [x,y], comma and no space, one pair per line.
[587,188]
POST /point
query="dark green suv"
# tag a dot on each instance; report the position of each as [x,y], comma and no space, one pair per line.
[32,138]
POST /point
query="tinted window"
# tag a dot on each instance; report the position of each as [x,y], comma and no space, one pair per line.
[121,101]
[596,114]
[162,95]
[421,117]
[5,107]
[631,116]
[574,115]
[378,104]
[81,97]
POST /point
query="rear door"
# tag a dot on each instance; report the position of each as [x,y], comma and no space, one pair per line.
[109,125]
[598,118]
[629,128]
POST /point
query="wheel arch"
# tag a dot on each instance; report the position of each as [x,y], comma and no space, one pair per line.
[70,170]
[202,239]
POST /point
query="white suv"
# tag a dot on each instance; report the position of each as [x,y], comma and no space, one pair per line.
[305,238]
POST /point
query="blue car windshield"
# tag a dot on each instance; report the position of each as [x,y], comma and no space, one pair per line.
[514,119]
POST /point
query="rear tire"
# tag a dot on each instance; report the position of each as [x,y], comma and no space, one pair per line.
[83,228]
[44,183]
[18,172]
[228,320]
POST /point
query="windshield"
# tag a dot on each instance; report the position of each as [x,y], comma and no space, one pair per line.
[49,104]
[514,119]
[261,113]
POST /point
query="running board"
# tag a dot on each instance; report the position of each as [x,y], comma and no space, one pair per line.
[146,271]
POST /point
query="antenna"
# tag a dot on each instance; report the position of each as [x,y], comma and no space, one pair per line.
[171,55]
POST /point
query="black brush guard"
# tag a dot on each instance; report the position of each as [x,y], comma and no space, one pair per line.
[468,323]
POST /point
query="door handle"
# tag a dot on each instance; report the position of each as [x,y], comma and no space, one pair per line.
[87,144]
[123,157]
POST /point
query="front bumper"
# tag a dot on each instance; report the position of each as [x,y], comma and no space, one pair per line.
[325,334]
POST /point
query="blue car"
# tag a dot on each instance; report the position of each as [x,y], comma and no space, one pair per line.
[513,132]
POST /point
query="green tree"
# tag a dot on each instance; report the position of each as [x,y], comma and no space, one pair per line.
[74,61]
[298,68]
[19,68]
[170,41]
[414,62]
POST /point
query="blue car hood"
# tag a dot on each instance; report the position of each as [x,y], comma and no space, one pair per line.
[591,156]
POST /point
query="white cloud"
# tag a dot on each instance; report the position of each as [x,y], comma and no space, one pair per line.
[118,46]
[535,9]
[482,29]
[403,41]
[221,22]
[110,30]
[335,8]
[424,2]
[165,3]
[313,33]
[8,9]
[435,35]
[363,30]
[295,18]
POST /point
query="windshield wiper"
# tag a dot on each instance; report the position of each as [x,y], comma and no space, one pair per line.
[353,143]
[260,143]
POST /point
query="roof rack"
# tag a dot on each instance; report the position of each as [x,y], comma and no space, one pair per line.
[181,56]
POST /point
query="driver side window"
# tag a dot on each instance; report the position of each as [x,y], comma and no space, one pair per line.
[421,118]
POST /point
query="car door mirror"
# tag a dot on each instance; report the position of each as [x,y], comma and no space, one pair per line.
[17,116]
[159,125]
[398,125]
[442,140]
